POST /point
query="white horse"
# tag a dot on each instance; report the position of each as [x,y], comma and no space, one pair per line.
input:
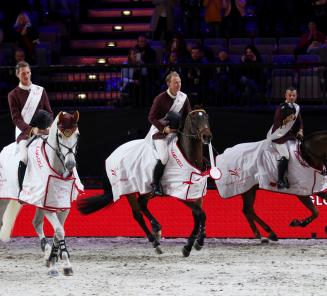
[57,155]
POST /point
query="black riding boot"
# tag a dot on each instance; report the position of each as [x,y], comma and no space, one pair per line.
[282,167]
[21,174]
[157,174]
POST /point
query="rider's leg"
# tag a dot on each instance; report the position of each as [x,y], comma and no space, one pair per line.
[22,145]
[162,149]
[282,165]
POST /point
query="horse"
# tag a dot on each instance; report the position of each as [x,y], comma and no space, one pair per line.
[191,137]
[59,151]
[312,154]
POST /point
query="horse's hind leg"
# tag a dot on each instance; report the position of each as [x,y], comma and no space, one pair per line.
[248,211]
[196,212]
[307,202]
[38,227]
[156,227]
[137,214]
[3,206]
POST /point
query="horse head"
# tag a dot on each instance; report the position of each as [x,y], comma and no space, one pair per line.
[197,126]
[314,150]
[63,138]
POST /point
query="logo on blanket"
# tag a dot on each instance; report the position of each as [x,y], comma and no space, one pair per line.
[178,161]
[236,172]
[38,156]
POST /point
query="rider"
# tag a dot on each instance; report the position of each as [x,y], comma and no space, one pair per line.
[162,126]
[24,102]
[287,116]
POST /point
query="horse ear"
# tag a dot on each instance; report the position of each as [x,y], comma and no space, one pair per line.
[76,116]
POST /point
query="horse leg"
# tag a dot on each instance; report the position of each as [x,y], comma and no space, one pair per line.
[64,255]
[38,227]
[3,206]
[156,227]
[58,246]
[248,211]
[307,202]
[196,213]
[137,214]
[199,242]
[271,234]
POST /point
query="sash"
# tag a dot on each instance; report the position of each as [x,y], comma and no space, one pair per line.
[281,131]
[31,104]
[176,107]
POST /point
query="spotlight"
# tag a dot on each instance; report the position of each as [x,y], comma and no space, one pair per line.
[81,96]
[117,28]
[126,13]
[111,44]
[101,61]
[92,77]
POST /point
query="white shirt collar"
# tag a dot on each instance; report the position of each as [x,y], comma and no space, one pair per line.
[170,94]
[22,86]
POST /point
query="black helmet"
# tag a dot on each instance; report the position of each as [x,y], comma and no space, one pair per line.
[173,119]
[287,109]
[41,119]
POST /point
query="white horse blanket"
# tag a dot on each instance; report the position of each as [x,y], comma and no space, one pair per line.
[130,169]
[246,165]
[43,186]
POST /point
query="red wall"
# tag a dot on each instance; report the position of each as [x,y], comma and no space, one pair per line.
[224,218]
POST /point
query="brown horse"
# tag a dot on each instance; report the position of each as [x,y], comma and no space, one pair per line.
[191,137]
[314,151]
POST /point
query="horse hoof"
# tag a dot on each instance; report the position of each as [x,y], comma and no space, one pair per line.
[186,252]
[265,241]
[157,235]
[44,243]
[295,223]
[273,237]
[158,250]
[68,271]
[197,246]
[47,262]
[53,273]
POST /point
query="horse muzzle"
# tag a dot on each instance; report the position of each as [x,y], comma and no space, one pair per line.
[206,136]
[70,165]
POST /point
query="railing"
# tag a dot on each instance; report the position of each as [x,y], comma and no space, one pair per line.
[207,84]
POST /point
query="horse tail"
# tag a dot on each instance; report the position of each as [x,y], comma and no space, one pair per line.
[92,204]
[9,218]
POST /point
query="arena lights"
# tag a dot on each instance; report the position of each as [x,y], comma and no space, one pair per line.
[126,13]
[101,60]
[92,77]
[117,28]
[111,44]
[82,96]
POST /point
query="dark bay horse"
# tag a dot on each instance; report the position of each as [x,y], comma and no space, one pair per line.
[314,151]
[195,133]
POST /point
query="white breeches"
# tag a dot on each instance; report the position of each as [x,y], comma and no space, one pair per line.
[22,145]
[282,150]
[162,149]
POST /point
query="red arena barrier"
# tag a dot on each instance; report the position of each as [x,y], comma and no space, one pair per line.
[224,218]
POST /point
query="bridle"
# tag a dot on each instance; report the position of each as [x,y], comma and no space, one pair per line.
[61,156]
[198,133]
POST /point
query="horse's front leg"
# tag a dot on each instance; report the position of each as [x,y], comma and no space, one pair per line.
[196,213]
[59,245]
[3,206]
[38,227]
[156,227]
[137,214]
[308,203]
[199,242]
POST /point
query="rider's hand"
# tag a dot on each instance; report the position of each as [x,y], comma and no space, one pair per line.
[167,130]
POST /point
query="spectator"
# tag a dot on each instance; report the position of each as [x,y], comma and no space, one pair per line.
[148,55]
[234,18]
[251,74]
[307,38]
[319,49]
[320,13]
[177,44]
[213,17]
[26,36]
[162,21]
[191,18]
[19,55]
[132,79]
